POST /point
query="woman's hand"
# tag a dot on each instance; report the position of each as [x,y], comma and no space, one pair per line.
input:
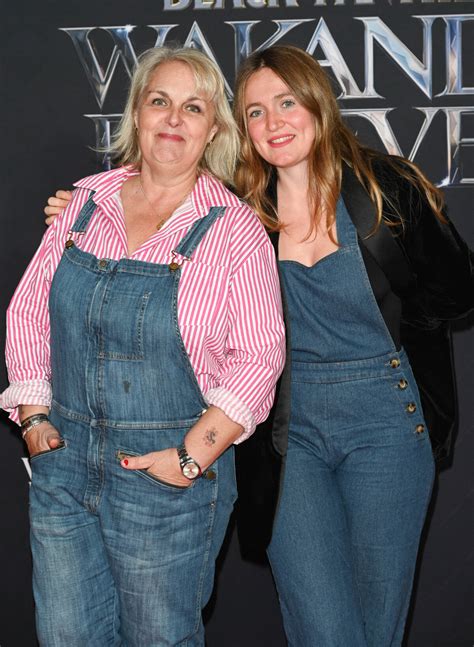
[42,438]
[56,204]
[163,464]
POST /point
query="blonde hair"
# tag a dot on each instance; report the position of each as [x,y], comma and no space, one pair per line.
[334,143]
[220,157]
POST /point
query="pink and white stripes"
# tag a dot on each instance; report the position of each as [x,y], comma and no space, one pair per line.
[229,304]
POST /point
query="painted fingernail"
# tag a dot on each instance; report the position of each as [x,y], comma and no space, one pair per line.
[125,461]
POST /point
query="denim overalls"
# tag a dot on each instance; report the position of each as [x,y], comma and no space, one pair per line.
[121,558]
[359,468]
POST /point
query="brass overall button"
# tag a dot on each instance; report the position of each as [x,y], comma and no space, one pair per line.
[102,263]
[69,244]
[395,362]
[210,475]
[411,407]
[420,429]
[173,266]
[402,384]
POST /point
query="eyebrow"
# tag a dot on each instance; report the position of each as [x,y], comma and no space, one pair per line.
[277,96]
[165,94]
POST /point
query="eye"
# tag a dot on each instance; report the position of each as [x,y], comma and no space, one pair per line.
[254,113]
[158,101]
[192,107]
[288,103]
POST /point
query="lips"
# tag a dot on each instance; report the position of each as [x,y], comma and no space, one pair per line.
[281,140]
[171,137]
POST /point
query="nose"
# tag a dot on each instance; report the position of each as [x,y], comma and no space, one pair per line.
[274,120]
[174,117]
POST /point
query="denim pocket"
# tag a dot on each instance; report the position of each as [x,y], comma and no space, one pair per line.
[123,336]
[47,452]
[153,478]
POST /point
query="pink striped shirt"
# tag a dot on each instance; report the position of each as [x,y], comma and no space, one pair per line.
[229,303]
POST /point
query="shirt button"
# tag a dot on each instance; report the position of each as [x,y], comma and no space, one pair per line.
[420,429]
[395,362]
[402,384]
[411,407]
[102,263]
[210,475]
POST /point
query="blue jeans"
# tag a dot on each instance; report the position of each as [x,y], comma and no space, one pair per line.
[357,485]
[120,557]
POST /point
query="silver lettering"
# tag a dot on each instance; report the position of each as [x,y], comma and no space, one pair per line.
[378,118]
[197,40]
[420,72]
[322,36]
[456,143]
[27,466]
[243,41]
[123,49]
[162,32]
[173,5]
[454,55]
[103,133]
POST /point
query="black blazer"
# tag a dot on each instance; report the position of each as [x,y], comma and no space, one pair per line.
[431,283]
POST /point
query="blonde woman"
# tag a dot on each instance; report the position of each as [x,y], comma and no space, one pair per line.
[144,339]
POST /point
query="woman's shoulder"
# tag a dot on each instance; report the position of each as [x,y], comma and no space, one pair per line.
[105,179]
[237,210]
[246,232]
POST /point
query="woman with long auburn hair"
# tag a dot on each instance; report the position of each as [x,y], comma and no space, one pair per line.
[371,270]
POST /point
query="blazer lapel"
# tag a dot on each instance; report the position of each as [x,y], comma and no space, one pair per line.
[382,245]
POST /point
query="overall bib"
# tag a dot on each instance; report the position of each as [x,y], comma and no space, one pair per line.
[359,468]
[120,557]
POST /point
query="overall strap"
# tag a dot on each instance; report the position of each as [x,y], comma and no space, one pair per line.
[383,247]
[197,232]
[346,229]
[85,215]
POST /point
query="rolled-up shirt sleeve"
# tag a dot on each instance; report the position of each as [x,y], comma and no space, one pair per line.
[256,343]
[27,348]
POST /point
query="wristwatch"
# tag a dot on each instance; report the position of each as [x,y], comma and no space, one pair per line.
[190,469]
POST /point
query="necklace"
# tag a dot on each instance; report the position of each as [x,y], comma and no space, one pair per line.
[162,220]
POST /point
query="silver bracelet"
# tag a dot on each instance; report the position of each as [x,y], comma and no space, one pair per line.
[32,421]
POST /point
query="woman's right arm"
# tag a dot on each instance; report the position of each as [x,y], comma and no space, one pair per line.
[28,332]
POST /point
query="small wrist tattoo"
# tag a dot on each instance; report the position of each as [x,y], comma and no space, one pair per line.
[210,437]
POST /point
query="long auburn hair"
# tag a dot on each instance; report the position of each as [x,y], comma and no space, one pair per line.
[334,144]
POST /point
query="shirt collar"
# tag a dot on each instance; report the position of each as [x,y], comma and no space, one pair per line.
[207,192]
[108,183]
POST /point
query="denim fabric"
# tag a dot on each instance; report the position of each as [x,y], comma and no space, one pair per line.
[359,467]
[333,313]
[120,557]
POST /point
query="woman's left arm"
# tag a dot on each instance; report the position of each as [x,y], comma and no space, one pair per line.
[440,258]
[254,360]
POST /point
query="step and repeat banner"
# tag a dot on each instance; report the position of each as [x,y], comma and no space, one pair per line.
[403,71]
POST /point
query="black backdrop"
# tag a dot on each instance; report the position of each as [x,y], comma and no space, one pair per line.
[404,71]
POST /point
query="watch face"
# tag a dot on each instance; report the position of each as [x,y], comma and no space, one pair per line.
[191,470]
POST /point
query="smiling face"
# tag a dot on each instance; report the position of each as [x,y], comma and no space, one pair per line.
[281,129]
[175,121]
